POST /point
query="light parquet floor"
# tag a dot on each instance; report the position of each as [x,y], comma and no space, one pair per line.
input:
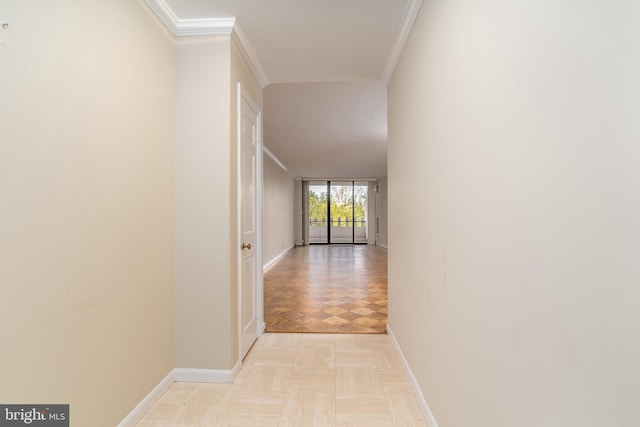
[328,289]
[300,380]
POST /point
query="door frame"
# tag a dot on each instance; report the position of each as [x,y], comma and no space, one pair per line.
[244,95]
[370,209]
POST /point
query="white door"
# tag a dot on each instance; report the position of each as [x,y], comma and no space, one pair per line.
[249,313]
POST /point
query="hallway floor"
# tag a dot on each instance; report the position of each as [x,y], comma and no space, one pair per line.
[328,289]
[300,380]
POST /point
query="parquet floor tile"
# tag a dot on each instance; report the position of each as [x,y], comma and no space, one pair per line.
[300,380]
[328,289]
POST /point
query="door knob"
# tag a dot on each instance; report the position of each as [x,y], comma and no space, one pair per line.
[247,246]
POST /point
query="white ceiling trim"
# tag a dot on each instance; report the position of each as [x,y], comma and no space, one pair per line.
[204,27]
[208,27]
[409,18]
[249,55]
[275,159]
[190,27]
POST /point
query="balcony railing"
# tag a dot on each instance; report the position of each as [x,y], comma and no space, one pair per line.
[343,230]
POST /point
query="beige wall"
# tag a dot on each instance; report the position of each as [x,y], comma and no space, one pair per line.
[277,211]
[206,316]
[86,217]
[513,135]
[382,213]
[202,203]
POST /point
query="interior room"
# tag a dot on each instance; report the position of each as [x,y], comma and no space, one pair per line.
[158,159]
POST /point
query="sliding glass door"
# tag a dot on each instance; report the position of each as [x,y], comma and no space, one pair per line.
[318,212]
[360,212]
[338,212]
[341,211]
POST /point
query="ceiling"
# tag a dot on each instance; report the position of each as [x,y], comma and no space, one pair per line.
[328,130]
[326,63]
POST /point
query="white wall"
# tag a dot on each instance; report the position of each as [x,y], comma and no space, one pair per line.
[513,136]
[298,214]
[86,218]
[382,238]
[304,203]
[277,211]
[371,213]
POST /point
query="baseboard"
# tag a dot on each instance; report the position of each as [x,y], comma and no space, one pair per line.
[236,369]
[149,400]
[178,374]
[275,260]
[382,246]
[422,402]
[194,375]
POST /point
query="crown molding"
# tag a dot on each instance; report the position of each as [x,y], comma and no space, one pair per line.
[207,27]
[275,159]
[190,27]
[204,27]
[249,55]
[410,14]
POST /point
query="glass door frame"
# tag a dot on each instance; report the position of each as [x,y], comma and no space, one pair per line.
[330,221]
